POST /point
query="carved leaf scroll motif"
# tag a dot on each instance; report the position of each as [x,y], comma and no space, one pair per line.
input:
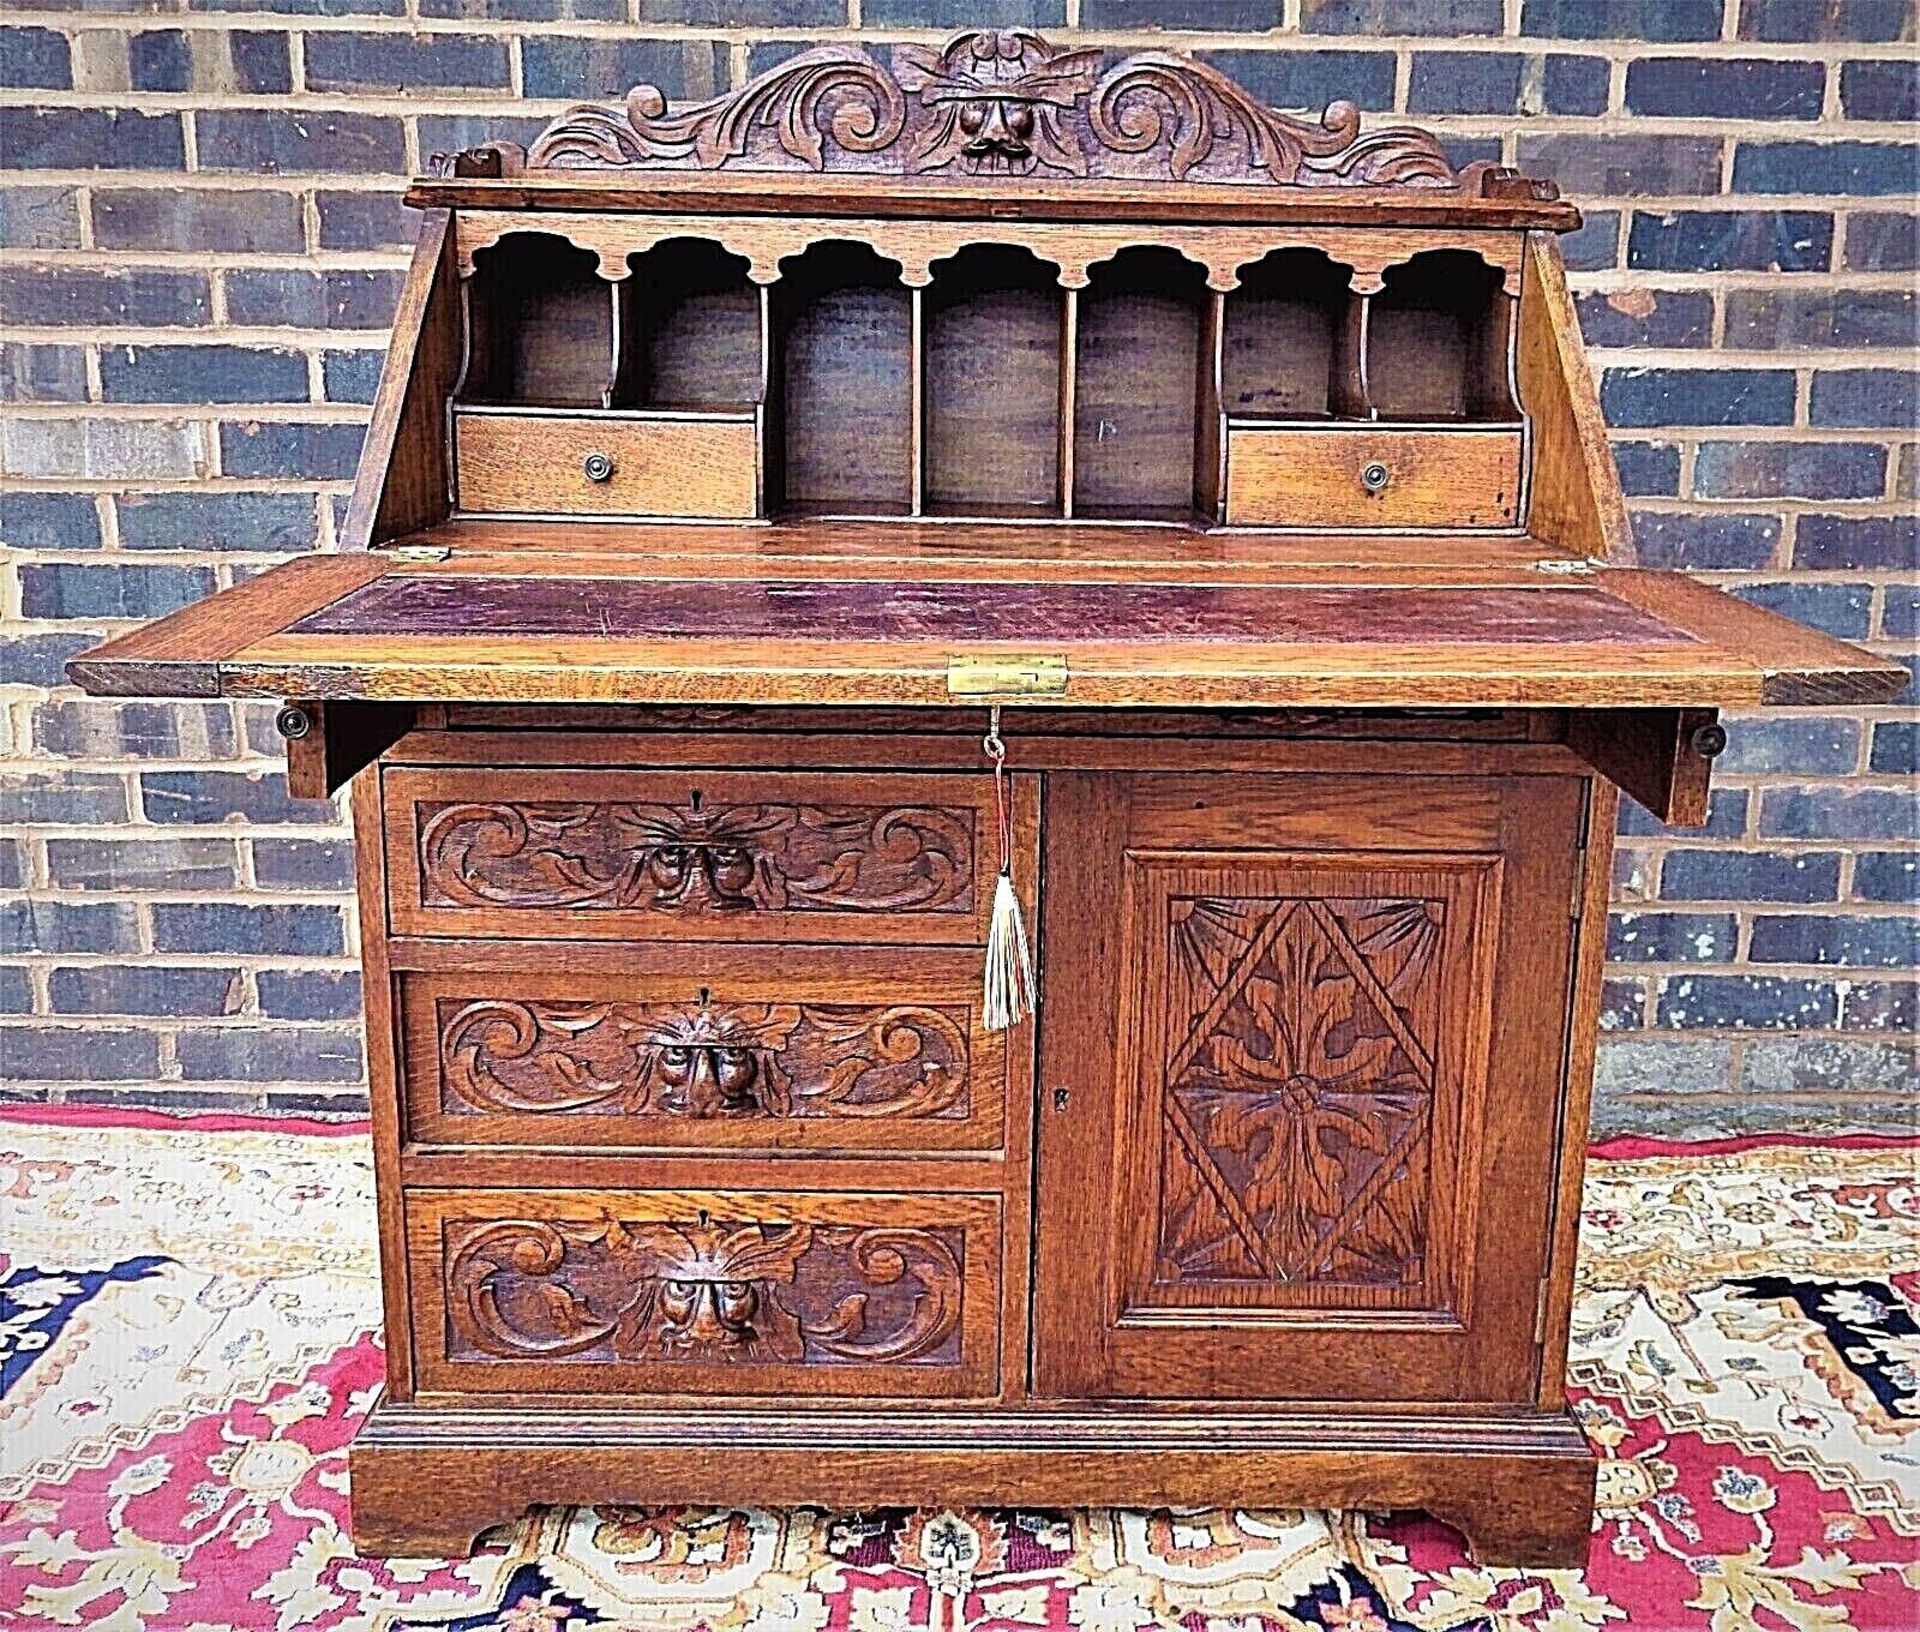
[1204,119]
[996,103]
[697,1060]
[1299,1093]
[706,1290]
[831,91]
[689,859]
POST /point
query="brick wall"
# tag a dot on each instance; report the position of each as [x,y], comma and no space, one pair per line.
[200,245]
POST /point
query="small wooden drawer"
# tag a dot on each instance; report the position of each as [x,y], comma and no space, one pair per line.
[720,1049]
[690,855]
[737,1292]
[1372,476]
[608,464]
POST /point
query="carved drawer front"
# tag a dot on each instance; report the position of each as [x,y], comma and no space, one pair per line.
[608,464]
[1363,476]
[684,855]
[705,1292]
[714,1048]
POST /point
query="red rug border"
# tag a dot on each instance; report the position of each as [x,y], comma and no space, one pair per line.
[1628,1147]
[133,1117]
[1620,1147]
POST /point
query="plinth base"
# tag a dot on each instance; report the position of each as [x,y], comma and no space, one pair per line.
[428,1479]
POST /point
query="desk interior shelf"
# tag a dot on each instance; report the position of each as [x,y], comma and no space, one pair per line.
[1002,385]
[847,367]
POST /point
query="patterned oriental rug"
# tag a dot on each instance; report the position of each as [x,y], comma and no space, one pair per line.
[186,1344]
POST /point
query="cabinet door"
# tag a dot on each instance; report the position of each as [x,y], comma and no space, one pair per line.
[1303,1046]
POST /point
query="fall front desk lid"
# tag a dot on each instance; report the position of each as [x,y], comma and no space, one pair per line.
[585,629]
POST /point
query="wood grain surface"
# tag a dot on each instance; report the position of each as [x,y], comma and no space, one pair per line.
[1368,1237]
[1287,475]
[1519,1485]
[1027,202]
[660,465]
[1575,502]
[714,1048]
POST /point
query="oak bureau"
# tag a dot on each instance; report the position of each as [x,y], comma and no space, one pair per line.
[734,468]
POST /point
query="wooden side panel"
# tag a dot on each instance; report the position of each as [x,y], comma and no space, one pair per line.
[1585,994]
[656,466]
[713,1049]
[1311,1160]
[738,1292]
[1576,503]
[401,484]
[1210,429]
[383,1081]
[1296,477]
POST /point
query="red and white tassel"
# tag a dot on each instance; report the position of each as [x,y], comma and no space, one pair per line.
[1010,994]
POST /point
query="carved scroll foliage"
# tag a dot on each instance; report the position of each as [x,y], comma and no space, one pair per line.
[1002,102]
[1299,1091]
[830,91]
[768,1060]
[1206,121]
[705,1290]
[689,859]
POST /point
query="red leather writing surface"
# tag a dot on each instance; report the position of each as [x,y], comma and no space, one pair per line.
[1046,613]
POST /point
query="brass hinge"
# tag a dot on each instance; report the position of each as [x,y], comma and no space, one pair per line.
[1015,676]
[1562,566]
[1540,1313]
[1577,907]
[422,552]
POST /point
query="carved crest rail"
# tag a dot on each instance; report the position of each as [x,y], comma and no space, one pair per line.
[997,104]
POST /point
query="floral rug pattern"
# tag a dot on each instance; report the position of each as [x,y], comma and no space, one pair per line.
[186,1344]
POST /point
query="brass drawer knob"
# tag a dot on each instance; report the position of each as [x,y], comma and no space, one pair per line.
[1374,476]
[597,467]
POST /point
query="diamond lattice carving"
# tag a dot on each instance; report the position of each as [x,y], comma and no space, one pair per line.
[1299,1093]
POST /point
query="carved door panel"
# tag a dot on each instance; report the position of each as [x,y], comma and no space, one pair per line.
[1311,1155]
